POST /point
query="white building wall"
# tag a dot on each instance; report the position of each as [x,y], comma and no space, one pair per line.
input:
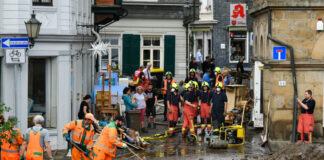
[57,44]
[8,94]
[156,27]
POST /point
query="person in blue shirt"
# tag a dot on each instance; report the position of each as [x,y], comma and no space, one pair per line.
[206,77]
[127,100]
[227,78]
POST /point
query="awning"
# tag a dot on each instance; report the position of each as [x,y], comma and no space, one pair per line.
[200,29]
[237,28]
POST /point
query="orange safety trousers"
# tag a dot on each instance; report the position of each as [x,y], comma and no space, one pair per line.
[172,118]
[188,119]
[34,149]
[195,115]
[204,115]
[76,154]
[305,126]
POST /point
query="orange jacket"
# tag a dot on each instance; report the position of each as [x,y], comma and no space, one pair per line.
[166,85]
[220,78]
[12,144]
[108,140]
[80,134]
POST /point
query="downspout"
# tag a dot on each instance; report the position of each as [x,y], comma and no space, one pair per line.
[293,70]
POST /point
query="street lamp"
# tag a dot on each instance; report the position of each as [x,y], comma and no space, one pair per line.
[186,11]
[33,28]
[186,21]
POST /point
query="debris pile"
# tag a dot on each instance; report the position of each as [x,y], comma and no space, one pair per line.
[299,151]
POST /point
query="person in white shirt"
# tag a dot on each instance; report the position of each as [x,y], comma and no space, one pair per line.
[147,71]
[199,60]
[199,56]
[140,99]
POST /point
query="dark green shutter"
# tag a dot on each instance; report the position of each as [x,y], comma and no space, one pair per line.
[169,53]
[131,53]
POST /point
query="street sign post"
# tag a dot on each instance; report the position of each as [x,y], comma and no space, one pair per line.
[15,42]
[14,56]
[279,53]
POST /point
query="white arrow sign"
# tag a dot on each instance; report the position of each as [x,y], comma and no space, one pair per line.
[7,42]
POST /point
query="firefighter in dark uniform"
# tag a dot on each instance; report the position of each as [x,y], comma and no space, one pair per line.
[174,103]
[306,118]
[204,97]
[219,107]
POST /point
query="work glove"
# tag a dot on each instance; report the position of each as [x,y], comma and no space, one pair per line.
[124,146]
[67,138]
[87,153]
[170,111]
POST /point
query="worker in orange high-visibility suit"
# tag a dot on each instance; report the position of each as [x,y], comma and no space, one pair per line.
[37,140]
[306,118]
[219,77]
[188,106]
[174,102]
[108,141]
[204,99]
[10,146]
[82,132]
[166,88]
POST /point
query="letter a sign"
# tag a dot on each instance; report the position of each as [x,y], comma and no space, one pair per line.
[238,15]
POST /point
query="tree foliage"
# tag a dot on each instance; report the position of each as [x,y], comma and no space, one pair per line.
[6,126]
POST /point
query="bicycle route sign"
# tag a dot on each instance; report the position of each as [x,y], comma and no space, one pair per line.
[14,56]
[15,42]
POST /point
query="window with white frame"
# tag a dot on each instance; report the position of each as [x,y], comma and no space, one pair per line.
[206,6]
[238,47]
[152,51]
[114,53]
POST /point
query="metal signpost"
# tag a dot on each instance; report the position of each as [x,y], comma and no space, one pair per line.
[15,54]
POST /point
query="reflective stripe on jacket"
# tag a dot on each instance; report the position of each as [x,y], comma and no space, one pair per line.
[166,85]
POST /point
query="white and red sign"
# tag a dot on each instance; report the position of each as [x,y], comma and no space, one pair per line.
[238,15]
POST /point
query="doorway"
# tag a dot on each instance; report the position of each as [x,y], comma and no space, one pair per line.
[36,87]
[42,89]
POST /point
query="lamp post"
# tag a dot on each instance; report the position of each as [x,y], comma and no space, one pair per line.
[33,28]
[186,18]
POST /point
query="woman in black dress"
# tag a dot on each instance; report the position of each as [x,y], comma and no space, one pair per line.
[84,107]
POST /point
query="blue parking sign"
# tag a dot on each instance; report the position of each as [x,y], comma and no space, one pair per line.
[279,53]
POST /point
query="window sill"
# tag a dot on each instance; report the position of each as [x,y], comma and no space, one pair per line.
[238,61]
[45,8]
[52,131]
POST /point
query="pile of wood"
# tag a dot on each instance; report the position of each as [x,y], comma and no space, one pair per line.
[237,96]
